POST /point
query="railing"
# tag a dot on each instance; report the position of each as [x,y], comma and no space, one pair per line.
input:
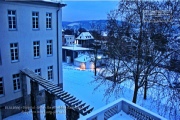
[135,111]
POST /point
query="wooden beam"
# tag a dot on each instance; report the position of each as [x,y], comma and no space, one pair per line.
[52,89]
[76,103]
[63,93]
[80,106]
[70,98]
[84,108]
[87,111]
[71,102]
[65,96]
[59,92]
[56,90]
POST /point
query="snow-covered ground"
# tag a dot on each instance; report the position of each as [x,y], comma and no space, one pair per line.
[79,83]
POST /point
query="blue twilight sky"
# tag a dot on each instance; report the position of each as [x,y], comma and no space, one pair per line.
[87,10]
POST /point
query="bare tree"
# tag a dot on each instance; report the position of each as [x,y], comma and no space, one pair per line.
[138,45]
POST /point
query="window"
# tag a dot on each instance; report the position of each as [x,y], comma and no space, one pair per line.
[49,47]
[12,19]
[48,20]
[50,72]
[1,87]
[36,47]
[14,52]
[38,71]
[35,18]
[16,82]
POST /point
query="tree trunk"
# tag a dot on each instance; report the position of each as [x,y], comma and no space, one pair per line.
[95,72]
[145,89]
[135,94]
[95,65]
[114,70]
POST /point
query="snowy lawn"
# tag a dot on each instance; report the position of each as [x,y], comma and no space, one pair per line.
[79,84]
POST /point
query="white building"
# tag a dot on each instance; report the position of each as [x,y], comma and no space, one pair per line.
[30,37]
[84,62]
[69,40]
[85,39]
[74,46]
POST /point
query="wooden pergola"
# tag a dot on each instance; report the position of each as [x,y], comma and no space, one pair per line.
[74,106]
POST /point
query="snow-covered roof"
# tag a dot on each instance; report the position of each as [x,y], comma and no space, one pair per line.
[83,58]
[75,48]
[68,35]
[52,1]
[85,36]
[104,33]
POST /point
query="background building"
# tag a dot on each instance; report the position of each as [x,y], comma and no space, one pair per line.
[85,39]
[30,37]
[69,40]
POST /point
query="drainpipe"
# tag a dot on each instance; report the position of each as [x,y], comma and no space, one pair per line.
[58,38]
[57,46]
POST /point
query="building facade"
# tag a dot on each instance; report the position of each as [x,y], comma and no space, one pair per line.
[30,37]
[85,39]
[69,40]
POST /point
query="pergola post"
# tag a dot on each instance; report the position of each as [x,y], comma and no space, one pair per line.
[34,102]
[71,114]
[50,106]
[73,56]
[74,107]
[24,92]
[0,114]
[65,55]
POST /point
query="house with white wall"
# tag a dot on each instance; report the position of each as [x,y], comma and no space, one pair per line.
[69,40]
[73,46]
[30,37]
[85,39]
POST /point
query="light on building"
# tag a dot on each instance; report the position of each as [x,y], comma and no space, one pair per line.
[83,66]
[92,65]
[99,57]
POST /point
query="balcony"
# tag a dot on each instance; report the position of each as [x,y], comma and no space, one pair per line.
[123,110]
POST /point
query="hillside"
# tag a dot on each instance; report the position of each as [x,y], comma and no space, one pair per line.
[87,24]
